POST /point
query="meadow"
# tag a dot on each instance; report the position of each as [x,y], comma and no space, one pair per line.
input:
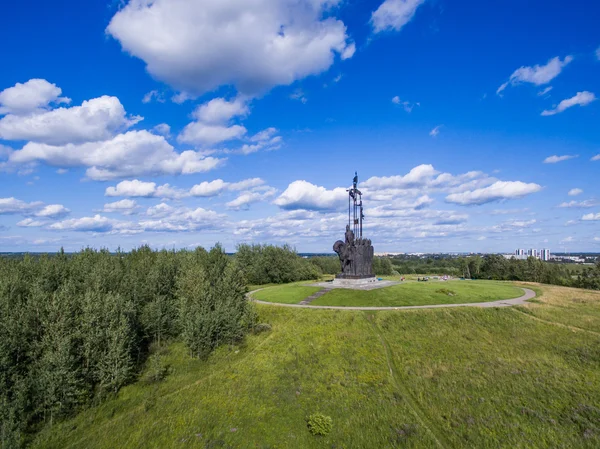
[406,294]
[521,377]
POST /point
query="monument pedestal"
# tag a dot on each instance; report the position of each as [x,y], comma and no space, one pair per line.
[353,281]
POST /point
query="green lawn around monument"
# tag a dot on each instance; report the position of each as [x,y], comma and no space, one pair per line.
[286,294]
[510,377]
[407,294]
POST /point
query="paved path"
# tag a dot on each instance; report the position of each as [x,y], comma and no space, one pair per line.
[314,296]
[529,294]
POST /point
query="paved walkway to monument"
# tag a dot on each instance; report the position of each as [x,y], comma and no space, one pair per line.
[529,294]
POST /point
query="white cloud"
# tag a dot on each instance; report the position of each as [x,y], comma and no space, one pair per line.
[543,92]
[598,53]
[591,217]
[31,223]
[538,74]
[137,188]
[134,153]
[554,159]
[153,94]
[208,188]
[406,105]
[298,94]
[53,211]
[163,129]
[125,207]
[435,131]
[133,188]
[394,14]
[575,192]
[304,195]
[567,240]
[34,95]
[97,223]
[247,198]
[500,190]
[417,176]
[579,204]
[14,206]
[199,45]
[581,98]
[96,119]
[219,110]
[596,158]
[199,133]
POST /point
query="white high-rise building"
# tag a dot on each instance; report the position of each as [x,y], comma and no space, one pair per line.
[519,252]
[545,255]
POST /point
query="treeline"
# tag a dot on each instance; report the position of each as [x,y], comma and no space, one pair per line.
[499,268]
[266,264]
[75,329]
[531,269]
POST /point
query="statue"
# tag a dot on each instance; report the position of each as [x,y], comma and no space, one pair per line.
[355,254]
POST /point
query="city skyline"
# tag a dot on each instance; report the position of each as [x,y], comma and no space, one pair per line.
[129,122]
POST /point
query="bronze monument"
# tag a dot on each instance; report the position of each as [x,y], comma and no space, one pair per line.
[355,253]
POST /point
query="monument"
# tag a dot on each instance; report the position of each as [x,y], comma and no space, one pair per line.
[355,252]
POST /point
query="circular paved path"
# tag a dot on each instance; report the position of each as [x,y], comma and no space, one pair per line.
[529,294]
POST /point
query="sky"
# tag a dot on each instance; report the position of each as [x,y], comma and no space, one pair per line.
[473,126]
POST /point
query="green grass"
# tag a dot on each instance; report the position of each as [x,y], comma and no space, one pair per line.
[286,294]
[422,293]
[453,378]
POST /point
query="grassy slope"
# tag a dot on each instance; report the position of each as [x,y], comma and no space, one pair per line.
[421,293]
[459,377]
[286,294]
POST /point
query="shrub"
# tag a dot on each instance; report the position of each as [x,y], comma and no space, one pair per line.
[262,327]
[319,424]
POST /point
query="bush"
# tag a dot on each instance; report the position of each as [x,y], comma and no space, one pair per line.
[157,371]
[319,424]
[262,327]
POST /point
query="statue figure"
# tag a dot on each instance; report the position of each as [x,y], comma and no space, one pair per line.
[355,252]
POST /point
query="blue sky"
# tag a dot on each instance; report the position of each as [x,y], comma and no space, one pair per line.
[474,126]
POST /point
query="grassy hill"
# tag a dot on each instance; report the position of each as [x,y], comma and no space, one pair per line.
[452,378]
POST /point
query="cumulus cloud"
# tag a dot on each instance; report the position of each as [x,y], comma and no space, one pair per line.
[125,207]
[394,14]
[219,110]
[137,188]
[591,217]
[596,158]
[14,206]
[500,190]
[554,159]
[31,223]
[163,129]
[199,45]
[134,153]
[304,195]
[96,119]
[199,133]
[53,211]
[34,95]
[575,192]
[538,74]
[543,92]
[580,99]
[97,223]
[435,131]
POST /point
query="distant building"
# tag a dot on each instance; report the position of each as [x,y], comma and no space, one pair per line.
[519,252]
[532,252]
[545,255]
